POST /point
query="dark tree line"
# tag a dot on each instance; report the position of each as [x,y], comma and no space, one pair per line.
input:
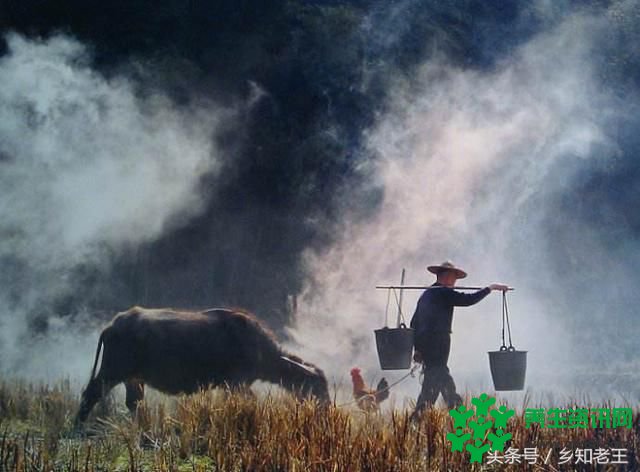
[294,163]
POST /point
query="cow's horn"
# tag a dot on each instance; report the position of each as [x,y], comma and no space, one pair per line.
[307,368]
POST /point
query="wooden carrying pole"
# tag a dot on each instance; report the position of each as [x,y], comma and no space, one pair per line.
[424,287]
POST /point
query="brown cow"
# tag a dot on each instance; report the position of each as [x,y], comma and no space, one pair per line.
[183,351]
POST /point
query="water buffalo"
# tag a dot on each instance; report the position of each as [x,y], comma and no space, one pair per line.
[183,351]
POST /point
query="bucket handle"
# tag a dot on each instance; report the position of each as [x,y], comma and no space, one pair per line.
[504,348]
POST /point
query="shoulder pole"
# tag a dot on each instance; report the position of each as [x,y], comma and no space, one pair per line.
[424,287]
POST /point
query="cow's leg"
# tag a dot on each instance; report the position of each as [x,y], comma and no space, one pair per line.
[98,387]
[135,394]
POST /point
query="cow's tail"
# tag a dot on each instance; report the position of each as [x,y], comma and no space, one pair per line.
[95,362]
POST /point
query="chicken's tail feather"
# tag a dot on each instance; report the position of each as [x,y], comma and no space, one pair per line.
[382,390]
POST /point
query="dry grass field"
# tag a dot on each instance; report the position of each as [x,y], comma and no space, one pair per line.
[218,431]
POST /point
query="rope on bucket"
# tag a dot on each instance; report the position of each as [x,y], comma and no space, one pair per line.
[400,321]
[399,303]
[505,318]
[401,379]
[400,317]
[386,310]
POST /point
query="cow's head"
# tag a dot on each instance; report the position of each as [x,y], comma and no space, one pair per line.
[305,379]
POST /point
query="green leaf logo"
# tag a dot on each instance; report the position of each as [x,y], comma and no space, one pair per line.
[480,429]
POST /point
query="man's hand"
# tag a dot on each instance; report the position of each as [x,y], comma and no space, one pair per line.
[502,288]
[417,357]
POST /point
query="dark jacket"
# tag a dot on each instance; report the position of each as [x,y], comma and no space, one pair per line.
[434,313]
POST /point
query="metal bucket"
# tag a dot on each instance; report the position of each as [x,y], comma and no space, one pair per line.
[395,347]
[508,368]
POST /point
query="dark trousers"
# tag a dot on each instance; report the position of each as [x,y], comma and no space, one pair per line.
[434,349]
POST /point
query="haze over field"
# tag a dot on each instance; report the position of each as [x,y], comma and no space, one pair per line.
[245,154]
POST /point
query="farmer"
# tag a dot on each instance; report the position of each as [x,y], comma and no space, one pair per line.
[432,337]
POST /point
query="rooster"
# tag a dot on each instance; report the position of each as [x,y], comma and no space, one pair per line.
[367,399]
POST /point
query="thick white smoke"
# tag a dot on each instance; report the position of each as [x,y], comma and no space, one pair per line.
[468,161]
[87,167]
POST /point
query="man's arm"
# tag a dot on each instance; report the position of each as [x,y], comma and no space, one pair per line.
[466,299]
[416,322]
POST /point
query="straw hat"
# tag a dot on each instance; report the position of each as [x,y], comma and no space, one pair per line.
[447,265]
